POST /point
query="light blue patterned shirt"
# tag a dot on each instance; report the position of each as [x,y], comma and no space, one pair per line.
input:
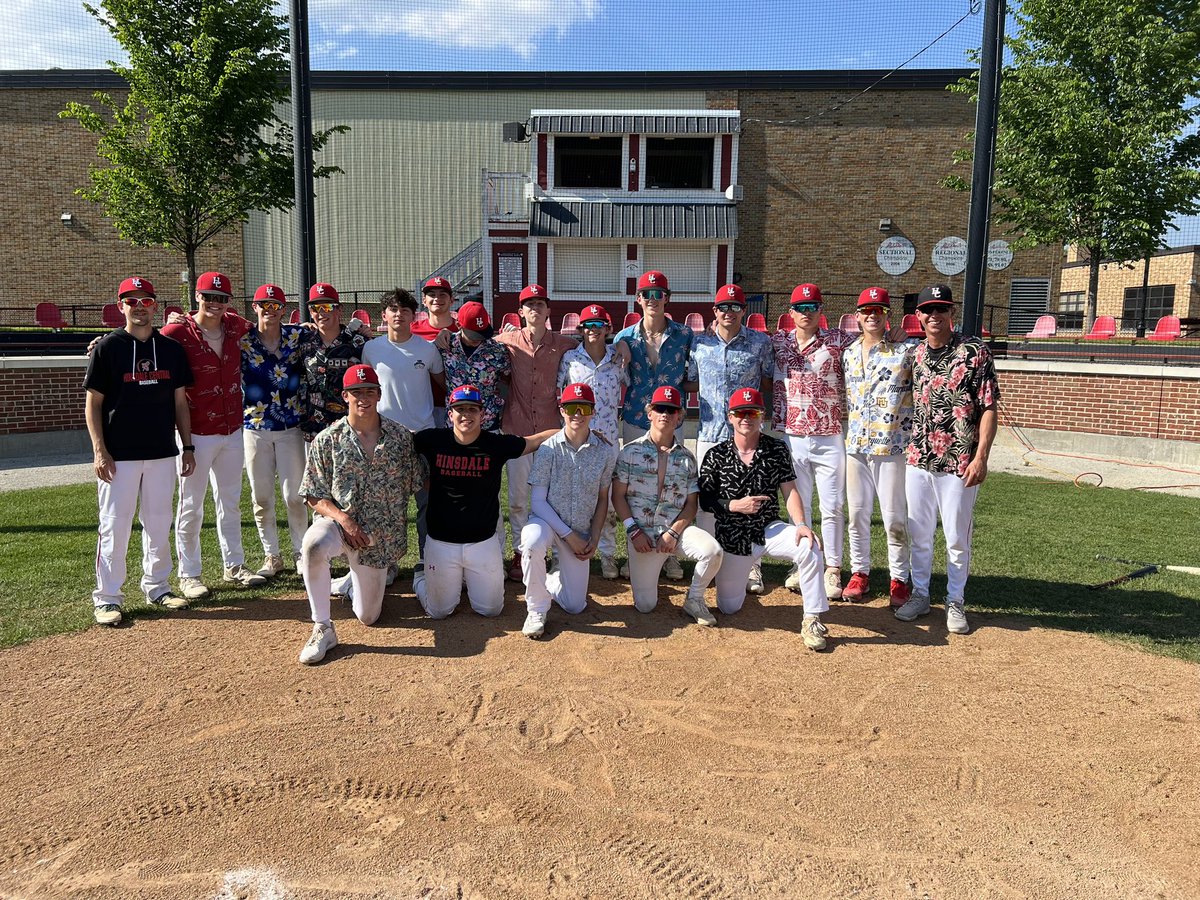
[722,368]
[645,378]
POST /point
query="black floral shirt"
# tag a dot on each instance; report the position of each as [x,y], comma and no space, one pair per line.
[952,386]
[724,477]
[321,385]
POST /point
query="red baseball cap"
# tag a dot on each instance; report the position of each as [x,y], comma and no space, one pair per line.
[270,292]
[577,393]
[875,296]
[135,283]
[667,396]
[322,291]
[653,280]
[359,376]
[806,293]
[437,283]
[532,292]
[595,313]
[213,283]
[474,318]
[746,398]
[730,293]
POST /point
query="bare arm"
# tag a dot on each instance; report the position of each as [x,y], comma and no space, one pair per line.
[533,441]
[668,541]
[438,378]
[638,539]
[183,424]
[93,413]
[977,469]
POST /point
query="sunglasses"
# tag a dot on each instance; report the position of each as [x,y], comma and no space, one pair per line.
[935,308]
[728,307]
[577,409]
[873,311]
[747,413]
[322,307]
[806,308]
[663,409]
[143,302]
[653,294]
[594,326]
[271,305]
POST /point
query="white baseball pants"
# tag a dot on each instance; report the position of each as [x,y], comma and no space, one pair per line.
[322,542]
[868,478]
[822,459]
[705,521]
[269,453]
[780,544]
[695,544]
[568,587]
[448,566]
[219,459]
[518,496]
[146,486]
[931,496]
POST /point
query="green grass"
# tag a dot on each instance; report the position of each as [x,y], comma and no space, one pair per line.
[1034,548]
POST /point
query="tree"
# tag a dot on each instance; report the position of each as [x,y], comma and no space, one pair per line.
[1093,146]
[198,143]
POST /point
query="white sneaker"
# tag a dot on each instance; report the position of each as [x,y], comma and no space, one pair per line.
[608,567]
[956,619]
[695,607]
[813,632]
[271,566]
[625,570]
[833,583]
[192,588]
[792,583]
[754,582]
[239,574]
[168,600]
[535,625]
[323,639]
[343,586]
[108,614]
[916,606]
[672,569]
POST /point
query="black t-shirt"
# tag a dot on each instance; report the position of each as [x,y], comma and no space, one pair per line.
[464,482]
[138,380]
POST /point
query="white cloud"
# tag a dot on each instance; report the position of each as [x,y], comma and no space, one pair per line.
[43,34]
[515,25]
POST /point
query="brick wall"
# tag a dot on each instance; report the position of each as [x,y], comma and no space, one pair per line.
[1129,401]
[41,394]
[81,263]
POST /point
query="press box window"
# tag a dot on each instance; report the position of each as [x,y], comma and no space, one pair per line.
[679,163]
[587,162]
[1160,301]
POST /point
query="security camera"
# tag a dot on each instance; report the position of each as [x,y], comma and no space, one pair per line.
[66,218]
[885,225]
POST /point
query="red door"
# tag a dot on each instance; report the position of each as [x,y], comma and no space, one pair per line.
[510,273]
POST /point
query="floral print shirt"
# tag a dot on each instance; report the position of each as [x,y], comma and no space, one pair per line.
[724,477]
[487,365]
[605,378]
[879,397]
[373,491]
[952,386]
[810,394]
[321,387]
[645,378]
[721,369]
[637,468]
[271,381]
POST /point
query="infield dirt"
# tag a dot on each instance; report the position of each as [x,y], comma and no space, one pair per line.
[624,755]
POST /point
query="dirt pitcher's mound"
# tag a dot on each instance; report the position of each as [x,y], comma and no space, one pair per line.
[624,755]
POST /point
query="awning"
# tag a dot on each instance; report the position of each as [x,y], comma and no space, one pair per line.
[621,123]
[633,221]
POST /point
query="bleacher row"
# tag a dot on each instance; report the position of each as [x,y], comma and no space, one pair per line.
[1168,328]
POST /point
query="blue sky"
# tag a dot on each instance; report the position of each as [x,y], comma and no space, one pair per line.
[541,35]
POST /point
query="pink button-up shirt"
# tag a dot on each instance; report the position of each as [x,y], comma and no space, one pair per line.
[810,388]
[532,404]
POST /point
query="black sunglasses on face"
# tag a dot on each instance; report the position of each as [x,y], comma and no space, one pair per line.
[728,308]
[936,308]
[662,409]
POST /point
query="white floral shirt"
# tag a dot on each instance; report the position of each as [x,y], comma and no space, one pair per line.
[605,378]
[879,397]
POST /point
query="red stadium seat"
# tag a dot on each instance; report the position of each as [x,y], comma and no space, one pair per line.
[1167,329]
[849,323]
[631,318]
[824,323]
[363,316]
[785,323]
[421,316]
[48,315]
[912,326]
[1044,327]
[171,309]
[695,321]
[508,319]
[1103,328]
[570,323]
[295,319]
[757,322]
[111,316]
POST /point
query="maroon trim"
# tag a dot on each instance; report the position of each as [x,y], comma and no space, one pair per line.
[630,286]
[635,154]
[508,232]
[631,251]
[722,263]
[726,160]
[543,158]
[542,261]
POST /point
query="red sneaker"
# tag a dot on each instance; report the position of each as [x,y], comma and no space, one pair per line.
[514,570]
[900,593]
[856,588]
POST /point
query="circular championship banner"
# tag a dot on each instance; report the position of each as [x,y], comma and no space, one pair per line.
[896,255]
[1000,256]
[950,255]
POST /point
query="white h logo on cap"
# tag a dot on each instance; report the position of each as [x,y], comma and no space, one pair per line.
[270,291]
[321,289]
[362,373]
[746,396]
[136,282]
[874,294]
[807,291]
[578,390]
[667,393]
[937,293]
[652,278]
[731,291]
[216,281]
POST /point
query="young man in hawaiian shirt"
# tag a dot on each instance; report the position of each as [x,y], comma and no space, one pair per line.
[571,476]
[272,358]
[725,358]
[809,400]
[657,352]
[360,474]
[336,348]
[473,356]
[740,482]
[879,399]
[595,364]
[955,395]
[655,491]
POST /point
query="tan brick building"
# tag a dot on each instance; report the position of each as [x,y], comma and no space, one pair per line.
[1174,290]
